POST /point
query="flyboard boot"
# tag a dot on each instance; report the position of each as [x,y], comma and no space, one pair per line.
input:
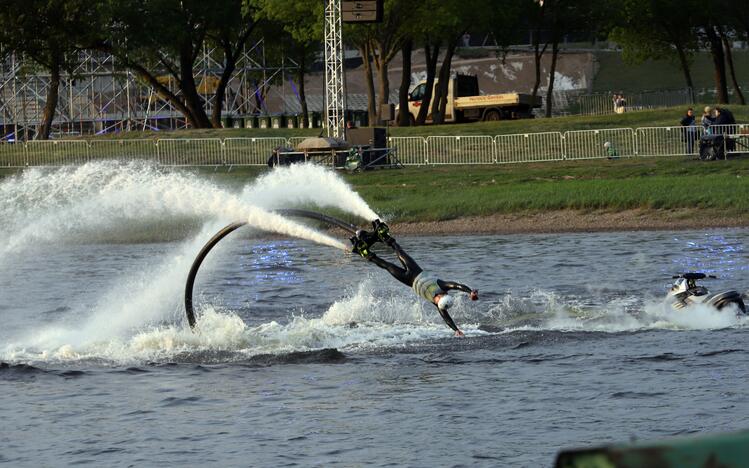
[383,232]
[364,240]
[362,243]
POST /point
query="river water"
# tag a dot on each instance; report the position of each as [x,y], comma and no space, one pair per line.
[308,356]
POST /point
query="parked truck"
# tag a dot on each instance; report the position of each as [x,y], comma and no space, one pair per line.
[466,104]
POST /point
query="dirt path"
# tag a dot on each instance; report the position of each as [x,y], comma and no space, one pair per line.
[576,221]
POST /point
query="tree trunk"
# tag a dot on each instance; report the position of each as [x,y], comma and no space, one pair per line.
[218,103]
[193,102]
[729,60]
[384,87]
[302,94]
[364,51]
[231,55]
[160,89]
[684,62]
[404,117]
[431,54]
[716,50]
[538,53]
[439,103]
[50,104]
[552,72]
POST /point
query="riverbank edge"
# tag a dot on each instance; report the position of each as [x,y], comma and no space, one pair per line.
[570,221]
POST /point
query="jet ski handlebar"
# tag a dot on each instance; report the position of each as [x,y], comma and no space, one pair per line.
[694,276]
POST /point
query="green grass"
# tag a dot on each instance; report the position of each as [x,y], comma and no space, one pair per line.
[657,183]
[441,193]
[648,118]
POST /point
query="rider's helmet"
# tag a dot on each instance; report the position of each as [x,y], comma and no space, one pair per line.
[445,302]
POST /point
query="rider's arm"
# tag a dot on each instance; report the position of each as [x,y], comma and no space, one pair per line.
[448,320]
[448,285]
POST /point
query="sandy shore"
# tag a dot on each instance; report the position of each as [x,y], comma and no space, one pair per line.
[576,221]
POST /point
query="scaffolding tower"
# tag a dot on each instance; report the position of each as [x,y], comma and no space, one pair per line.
[101,96]
[335,92]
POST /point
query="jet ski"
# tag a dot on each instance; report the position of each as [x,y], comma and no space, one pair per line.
[685,292]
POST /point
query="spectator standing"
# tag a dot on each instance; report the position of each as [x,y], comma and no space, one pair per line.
[690,129]
[707,120]
[466,40]
[725,121]
[619,103]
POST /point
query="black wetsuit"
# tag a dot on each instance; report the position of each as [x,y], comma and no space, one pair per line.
[408,273]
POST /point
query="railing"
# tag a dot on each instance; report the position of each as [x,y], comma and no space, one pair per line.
[433,150]
[603,103]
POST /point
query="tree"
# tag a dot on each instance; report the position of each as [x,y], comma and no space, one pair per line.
[431,53]
[562,17]
[736,22]
[303,21]
[51,33]
[715,44]
[451,19]
[648,29]
[378,44]
[404,118]
[157,37]
[230,28]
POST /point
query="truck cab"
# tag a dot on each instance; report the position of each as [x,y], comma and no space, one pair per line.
[466,104]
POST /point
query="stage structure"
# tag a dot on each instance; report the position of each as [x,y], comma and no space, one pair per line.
[101,96]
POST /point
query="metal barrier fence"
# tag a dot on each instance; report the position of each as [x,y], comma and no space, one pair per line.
[590,144]
[529,147]
[603,103]
[668,141]
[251,151]
[433,150]
[460,150]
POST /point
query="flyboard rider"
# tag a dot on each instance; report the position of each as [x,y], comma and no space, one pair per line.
[423,283]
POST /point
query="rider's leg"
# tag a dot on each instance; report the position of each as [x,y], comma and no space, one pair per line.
[398,273]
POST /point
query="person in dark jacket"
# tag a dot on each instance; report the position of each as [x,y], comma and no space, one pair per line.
[690,129]
[723,122]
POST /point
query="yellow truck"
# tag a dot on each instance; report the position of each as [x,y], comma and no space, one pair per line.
[466,104]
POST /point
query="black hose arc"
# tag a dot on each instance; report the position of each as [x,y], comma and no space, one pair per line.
[189,285]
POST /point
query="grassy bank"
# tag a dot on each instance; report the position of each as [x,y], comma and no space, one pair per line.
[648,118]
[653,185]
[442,193]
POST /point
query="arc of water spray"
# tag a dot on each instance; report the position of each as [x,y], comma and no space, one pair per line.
[189,285]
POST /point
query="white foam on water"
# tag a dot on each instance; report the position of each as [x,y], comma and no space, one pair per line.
[71,202]
[365,319]
[544,310]
[301,184]
[127,323]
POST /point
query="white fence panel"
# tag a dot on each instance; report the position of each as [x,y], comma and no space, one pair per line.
[189,152]
[529,147]
[736,137]
[13,154]
[409,150]
[56,152]
[142,149]
[460,150]
[668,141]
[733,129]
[251,151]
[293,141]
[590,144]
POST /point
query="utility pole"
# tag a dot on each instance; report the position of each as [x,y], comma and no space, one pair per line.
[336,13]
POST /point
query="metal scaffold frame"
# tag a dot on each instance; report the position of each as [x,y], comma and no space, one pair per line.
[335,92]
[101,96]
